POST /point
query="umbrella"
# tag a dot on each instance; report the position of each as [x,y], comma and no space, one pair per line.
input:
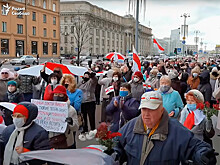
[115,56]
[66,69]
[70,156]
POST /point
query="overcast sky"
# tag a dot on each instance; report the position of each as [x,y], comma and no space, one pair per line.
[164,15]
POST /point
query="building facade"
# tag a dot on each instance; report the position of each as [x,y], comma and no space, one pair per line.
[190,49]
[106,31]
[30,27]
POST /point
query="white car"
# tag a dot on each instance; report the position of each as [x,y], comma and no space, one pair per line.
[26,59]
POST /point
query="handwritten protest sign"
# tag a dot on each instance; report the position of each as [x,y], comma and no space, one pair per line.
[51,115]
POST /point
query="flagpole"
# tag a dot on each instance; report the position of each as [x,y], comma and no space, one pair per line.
[137,24]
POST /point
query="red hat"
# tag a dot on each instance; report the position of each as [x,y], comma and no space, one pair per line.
[139,74]
[22,110]
[60,89]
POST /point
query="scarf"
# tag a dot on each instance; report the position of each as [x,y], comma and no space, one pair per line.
[10,154]
[12,96]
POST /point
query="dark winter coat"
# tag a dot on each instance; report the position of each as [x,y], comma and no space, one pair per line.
[175,84]
[121,115]
[126,77]
[183,86]
[26,82]
[170,144]
[205,86]
[16,97]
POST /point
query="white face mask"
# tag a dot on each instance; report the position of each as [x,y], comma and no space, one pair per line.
[96,69]
[11,89]
[54,81]
[18,122]
[115,79]
[136,79]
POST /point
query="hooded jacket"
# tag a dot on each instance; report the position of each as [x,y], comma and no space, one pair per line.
[213,77]
[35,137]
[204,86]
[137,89]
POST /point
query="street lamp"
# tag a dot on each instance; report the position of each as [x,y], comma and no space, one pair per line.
[196,39]
[185,30]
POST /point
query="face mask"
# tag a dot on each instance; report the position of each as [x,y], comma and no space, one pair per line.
[191,107]
[54,81]
[107,68]
[164,88]
[115,79]
[66,85]
[96,69]
[18,122]
[215,74]
[58,98]
[11,89]
[123,93]
[195,75]
[85,78]
[136,79]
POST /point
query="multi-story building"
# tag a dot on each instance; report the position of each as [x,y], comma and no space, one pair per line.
[107,31]
[30,27]
[175,41]
[190,49]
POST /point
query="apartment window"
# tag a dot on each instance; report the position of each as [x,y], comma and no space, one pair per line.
[54,48]
[90,40]
[54,33]
[65,50]
[113,35]
[103,33]
[45,47]
[19,15]
[54,7]
[34,47]
[91,31]
[4,26]
[72,50]
[117,43]
[3,10]
[97,41]
[72,29]
[4,46]
[33,2]
[108,43]
[44,4]
[33,16]
[65,28]
[20,28]
[113,43]
[97,32]
[65,39]
[34,31]
[108,34]
[65,19]
[54,20]
[97,50]
[117,36]
[103,42]
[44,18]
[45,32]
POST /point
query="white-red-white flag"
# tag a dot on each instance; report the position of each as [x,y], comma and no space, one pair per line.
[146,86]
[158,46]
[109,90]
[136,61]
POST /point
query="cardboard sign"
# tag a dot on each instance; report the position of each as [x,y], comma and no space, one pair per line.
[51,115]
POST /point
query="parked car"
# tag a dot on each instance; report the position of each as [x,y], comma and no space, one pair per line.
[25,59]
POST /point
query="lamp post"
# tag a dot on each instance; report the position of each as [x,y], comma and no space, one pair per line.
[185,30]
[137,24]
[196,39]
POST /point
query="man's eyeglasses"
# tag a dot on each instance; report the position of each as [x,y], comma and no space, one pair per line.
[4,72]
[17,116]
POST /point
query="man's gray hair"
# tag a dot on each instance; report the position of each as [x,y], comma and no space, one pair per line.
[165,77]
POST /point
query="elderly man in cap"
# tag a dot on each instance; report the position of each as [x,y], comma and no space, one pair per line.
[154,138]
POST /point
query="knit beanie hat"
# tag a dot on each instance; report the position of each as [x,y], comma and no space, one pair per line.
[60,89]
[22,110]
[139,74]
[14,83]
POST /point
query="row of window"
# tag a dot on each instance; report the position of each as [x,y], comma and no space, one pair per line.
[34,47]
[20,30]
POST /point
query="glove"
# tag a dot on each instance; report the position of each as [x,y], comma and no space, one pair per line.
[209,157]
[69,120]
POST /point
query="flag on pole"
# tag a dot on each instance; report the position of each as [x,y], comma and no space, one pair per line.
[136,61]
[158,46]
[109,90]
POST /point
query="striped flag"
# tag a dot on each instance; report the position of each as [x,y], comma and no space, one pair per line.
[146,86]
[136,62]
[109,90]
[158,46]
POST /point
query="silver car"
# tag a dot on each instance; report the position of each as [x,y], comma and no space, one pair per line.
[26,59]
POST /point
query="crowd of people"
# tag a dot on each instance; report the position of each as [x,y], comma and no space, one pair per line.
[156,110]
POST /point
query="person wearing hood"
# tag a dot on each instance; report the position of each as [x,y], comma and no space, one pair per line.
[205,86]
[64,140]
[193,80]
[183,86]
[5,76]
[122,108]
[13,94]
[153,81]
[23,136]
[87,85]
[52,83]
[137,88]
[214,75]
[172,101]
[104,82]
[175,82]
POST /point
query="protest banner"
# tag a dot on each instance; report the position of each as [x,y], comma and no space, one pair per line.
[51,115]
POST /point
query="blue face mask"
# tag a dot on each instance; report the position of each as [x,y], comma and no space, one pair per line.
[191,107]
[123,93]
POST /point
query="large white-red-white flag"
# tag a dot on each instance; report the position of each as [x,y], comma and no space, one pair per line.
[136,61]
[158,46]
[109,90]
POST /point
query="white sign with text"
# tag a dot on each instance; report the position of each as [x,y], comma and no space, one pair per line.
[51,115]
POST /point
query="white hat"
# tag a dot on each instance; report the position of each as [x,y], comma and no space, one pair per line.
[197,94]
[151,100]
